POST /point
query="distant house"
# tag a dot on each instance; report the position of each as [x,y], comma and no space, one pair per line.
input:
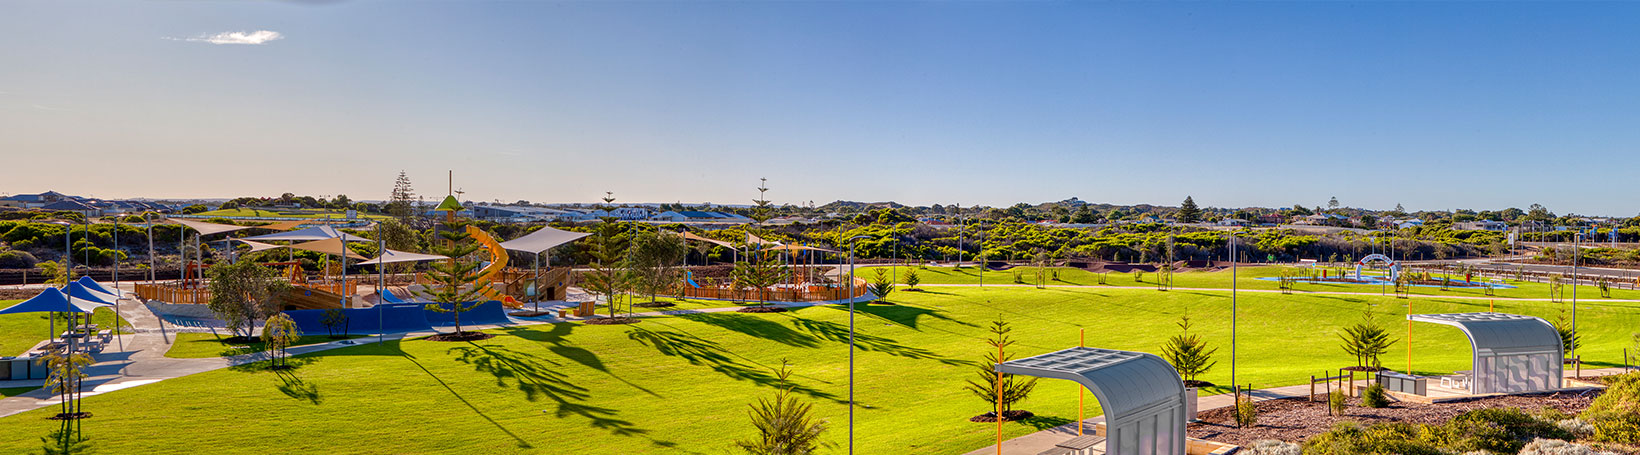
[1483,225]
[70,205]
[1412,223]
[35,201]
[684,216]
[1233,222]
[519,214]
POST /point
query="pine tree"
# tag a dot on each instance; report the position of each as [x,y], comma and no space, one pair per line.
[882,285]
[400,202]
[1188,353]
[785,425]
[1188,211]
[609,257]
[1366,340]
[984,384]
[455,280]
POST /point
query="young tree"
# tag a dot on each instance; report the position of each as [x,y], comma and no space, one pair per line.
[985,383]
[455,279]
[911,278]
[278,335]
[1188,212]
[66,373]
[785,425]
[882,285]
[1188,353]
[654,261]
[1570,341]
[334,320]
[243,293]
[1366,340]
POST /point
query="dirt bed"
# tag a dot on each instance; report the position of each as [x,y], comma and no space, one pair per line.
[1295,420]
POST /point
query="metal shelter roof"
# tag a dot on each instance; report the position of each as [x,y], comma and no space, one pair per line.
[1512,353]
[1141,394]
[1499,333]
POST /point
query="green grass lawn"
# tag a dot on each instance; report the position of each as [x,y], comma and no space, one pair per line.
[1247,278]
[19,332]
[191,345]
[682,384]
[14,391]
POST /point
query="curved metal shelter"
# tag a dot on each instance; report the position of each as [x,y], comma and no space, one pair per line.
[1141,394]
[1513,353]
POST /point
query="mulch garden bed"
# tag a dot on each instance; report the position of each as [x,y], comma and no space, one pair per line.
[529,314]
[654,304]
[612,321]
[461,336]
[762,309]
[1007,416]
[1294,419]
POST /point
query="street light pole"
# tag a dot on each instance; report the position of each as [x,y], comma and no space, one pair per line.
[1233,259]
[851,242]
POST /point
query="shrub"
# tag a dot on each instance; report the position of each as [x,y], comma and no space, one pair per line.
[1374,396]
[1338,402]
[1576,427]
[1615,415]
[13,259]
[1348,438]
[1274,447]
[1557,447]
[1246,411]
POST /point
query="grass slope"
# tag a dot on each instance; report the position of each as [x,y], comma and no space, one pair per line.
[19,332]
[190,345]
[682,384]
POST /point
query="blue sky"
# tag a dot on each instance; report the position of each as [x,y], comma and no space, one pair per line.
[1431,105]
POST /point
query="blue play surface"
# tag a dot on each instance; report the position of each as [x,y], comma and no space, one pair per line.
[1375,280]
[393,317]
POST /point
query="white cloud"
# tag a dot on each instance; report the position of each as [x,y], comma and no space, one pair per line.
[256,37]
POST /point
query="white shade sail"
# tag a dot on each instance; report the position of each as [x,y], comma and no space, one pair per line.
[395,256]
[542,240]
[689,236]
[332,246]
[259,246]
[308,234]
[207,228]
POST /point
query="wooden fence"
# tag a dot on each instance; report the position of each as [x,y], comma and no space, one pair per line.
[802,294]
[200,292]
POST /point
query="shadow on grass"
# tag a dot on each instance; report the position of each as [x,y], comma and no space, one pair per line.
[1040,423]
[520,441]
[560,346]
[537,380]
[704,352]
[906,315]
[293,386]
[66,439]
[755,326]
[839,333]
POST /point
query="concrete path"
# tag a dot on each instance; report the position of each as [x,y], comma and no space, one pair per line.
[1034,443]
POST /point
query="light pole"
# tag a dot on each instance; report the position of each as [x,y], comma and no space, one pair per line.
[150,245]
[1233,260]
[851,241]
[1577,252]
[381,284]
